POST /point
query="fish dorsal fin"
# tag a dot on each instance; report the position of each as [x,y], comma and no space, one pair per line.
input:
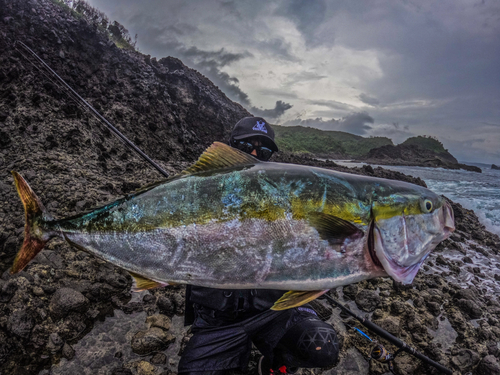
[141,283]
[219,156]
[296,298]
[332,228]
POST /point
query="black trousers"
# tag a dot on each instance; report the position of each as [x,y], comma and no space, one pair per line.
[294,338]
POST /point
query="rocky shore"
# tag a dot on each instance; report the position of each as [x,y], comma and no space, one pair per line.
[413,155]
[69,312]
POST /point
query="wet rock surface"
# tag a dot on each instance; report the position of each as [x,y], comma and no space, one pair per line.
[69,312]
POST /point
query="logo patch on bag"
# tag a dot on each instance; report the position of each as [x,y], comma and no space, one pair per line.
[260,126]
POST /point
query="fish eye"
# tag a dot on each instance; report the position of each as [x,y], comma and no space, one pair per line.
[428,205]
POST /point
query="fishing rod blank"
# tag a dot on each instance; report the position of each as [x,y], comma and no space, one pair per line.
[92,109]
[394,340]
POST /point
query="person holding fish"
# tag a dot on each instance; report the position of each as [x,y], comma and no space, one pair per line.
[267,237]
[226,322]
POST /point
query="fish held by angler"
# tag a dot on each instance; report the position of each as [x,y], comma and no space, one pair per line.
[231,221]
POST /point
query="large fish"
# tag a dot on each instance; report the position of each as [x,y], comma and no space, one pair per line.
[232,221]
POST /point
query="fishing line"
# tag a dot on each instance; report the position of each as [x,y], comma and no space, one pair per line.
[75,96]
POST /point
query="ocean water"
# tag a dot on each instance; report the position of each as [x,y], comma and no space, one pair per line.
[475,191]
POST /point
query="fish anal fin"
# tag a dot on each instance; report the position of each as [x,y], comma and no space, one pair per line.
[219,156]
[296,298]
[141,283]
[332,228]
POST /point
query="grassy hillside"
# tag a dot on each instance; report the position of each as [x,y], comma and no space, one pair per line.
[319,142]
[426,142]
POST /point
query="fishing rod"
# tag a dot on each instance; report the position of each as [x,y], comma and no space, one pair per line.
[379,352]
[79,100]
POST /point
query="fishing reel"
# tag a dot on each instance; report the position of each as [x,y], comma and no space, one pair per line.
[382,355]
[378,352]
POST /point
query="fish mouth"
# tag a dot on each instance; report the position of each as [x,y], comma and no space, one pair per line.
[400,273]
[404,265]
[371,246]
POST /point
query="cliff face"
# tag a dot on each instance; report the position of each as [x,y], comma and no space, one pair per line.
[170,110]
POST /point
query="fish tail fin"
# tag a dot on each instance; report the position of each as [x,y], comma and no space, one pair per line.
[35,213]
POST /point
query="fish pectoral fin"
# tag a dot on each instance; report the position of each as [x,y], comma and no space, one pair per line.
[219,156]
[141,283]
[296,298]
[332,228]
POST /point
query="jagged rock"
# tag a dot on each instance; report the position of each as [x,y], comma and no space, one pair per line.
[465,359]
[160,321]
[470,308]
[55,343]
[66,300]
[493,166]
[367,300]
[488,366]
[350,291]
[154,339]
[67,351]
[391,324]
[159,359]
[20,323]
[166,306]
[122,371]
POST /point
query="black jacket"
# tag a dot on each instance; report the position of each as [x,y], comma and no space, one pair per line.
[232,302]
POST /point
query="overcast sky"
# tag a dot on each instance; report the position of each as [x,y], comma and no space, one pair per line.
[381,67]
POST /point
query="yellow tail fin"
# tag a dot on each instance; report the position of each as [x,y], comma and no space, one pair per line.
[35,213]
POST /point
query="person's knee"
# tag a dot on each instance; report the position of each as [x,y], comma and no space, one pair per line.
[316,343]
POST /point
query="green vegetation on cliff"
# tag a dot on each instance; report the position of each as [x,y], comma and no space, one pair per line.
[309,140]
[426,142]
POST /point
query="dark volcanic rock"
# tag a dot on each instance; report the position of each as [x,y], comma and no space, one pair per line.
[465,359]
[493,166]
[66,300]
[488,366]
[20,323]
[152,340]
[411,154]
[367,300]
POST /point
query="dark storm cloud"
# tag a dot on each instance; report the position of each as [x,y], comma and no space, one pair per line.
[279,109]
[231,8]
[277,48]
[355,123]
[217,59]
[307,16]
[368,99]
[432,66]
[333,104]
[210,63]
[278,93]
[304,76]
